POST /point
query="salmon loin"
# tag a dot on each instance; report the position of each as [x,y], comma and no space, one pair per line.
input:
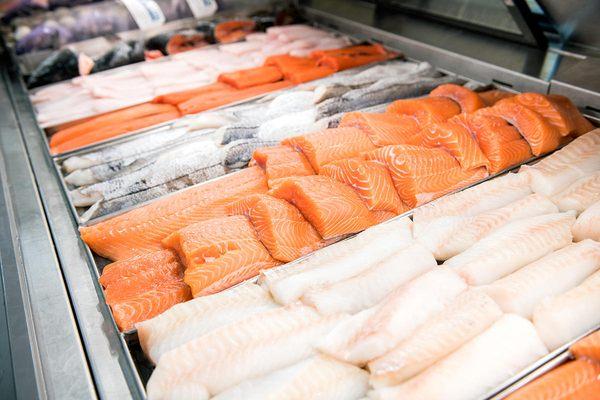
[468,100]
[281,162]
[587,225]
[384,129]
[377,330]
[521,291]
[588,347]
[582,125]
[477,367]
[491,97]
[513,246]
[438,109]
[466,317]
[569,315]
[554,113]
[580,195]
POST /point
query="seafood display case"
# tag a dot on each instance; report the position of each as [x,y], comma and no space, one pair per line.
[58,337]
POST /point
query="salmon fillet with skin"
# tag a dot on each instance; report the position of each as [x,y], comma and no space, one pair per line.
[219,253]
[279,225]
[384,129]
[281,162]
[588,347]
[323,147]
[371,181]
[554,113]
[491,97]
[440,107]
[422,174]
[332,207]
[141,230]
[468,100]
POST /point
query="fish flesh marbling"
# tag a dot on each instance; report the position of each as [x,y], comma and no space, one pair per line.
[587,225]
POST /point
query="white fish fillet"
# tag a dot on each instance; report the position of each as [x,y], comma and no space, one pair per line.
[470,314]
[476,368]
[569,315]
[551,275]
[587,225]
[336,269]
[318,378]
[448,236]
[187,321]
[561,169]
[487,196]
[580,195]
[375,331]
[371,286]
[255,346]
[513,246]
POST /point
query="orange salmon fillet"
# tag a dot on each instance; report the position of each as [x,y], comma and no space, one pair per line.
[279,225]
[371,181]
[588,347]
[468,100]
[144,265]
[384,129]
[180,97]
[232,31]
[491,97]
[298,69]
[143,229]
[246,78]
[554,113]
[382,216]
[281,162]
[332,207]
[329,145]
[219,253]
[582,125]
[438,109]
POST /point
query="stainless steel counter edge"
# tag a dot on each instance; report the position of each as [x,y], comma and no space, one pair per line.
[101,365]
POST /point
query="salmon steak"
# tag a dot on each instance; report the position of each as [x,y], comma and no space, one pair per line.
[279,225]
[384,129]
[281,162]
[332,207]
[468,100]
[219,253]
[142,230]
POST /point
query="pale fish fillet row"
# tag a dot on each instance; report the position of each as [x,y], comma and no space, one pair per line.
[562,168]
[469,315]
[580,195]
[375,331]
[587,225]
[447,237]
[186,321]
[225,357]
[338,261]
[318,378]
[549,276]
[569,315]
[486,196]
[373,285]
[476,368]
[513,246]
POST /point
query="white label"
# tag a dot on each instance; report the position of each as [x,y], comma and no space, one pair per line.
[202,8]
[146,13]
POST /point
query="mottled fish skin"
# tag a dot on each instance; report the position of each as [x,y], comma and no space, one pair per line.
[286,103]
[238,154]
[288,125]
[239,131]
[334,120]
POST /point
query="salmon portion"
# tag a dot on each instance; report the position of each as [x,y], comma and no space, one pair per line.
[142,230]
[371,181]
[281,162]
[575,380]
[332,207]
[323,147]
[246,78]
[468,100]
[457,141]
[219,253]
[554,113]
[582,125]
[179,97]
[279,225]
[588,347]
[299,69]
[422,174]
[500,142]
[382,216]
[351,57]
[491,97]
[233,31]
[384,129]
[436,109]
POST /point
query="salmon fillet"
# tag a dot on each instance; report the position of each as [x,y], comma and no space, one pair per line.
[371,181]
[582,125]
[279,225]
[491,97]
[384,128]
[323,147]
[247,78]
[438,108]
[332,207]
[180,97]
[219,253]
[281,162]
[468,100]
[141,230]
[554,112]
[588,347]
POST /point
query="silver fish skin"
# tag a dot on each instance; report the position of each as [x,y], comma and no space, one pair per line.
[239,131]
[286,103]
[238,154]
[288,125]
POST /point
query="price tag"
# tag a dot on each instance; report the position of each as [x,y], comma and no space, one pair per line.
[202,8]
[146,13]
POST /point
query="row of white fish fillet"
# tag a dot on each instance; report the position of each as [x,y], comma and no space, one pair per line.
[376,316]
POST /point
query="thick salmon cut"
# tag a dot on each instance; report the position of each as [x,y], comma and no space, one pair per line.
[382,216]
[141,230]
[582,125]
[468,100]
[542,136]
[149,303]
[323,147]
[384,129]
[279,225]
[575,380]
[352,56]
[457,141]
[588,347]
[422,174]
[370,180]
[491,97]
[500,142]
[219,253]
[441,108]
[180,97]
[144,264]
[307,75]
[281,162]
[332,207]
[299,69]
[246,78]
[548,108]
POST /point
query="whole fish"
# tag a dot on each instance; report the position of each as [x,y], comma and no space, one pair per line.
[237,154]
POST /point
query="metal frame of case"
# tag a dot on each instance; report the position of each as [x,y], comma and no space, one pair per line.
[58,328]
